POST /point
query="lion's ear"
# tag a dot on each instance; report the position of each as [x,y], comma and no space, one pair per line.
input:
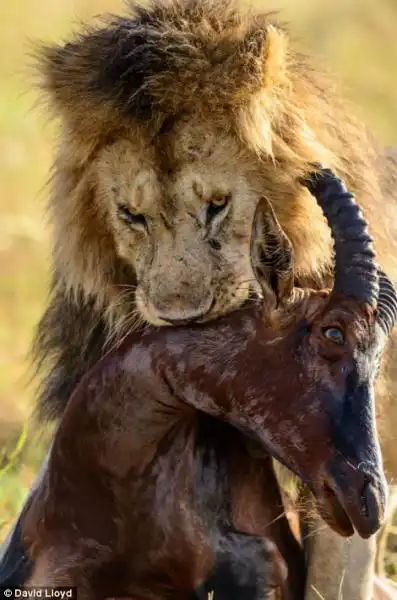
[271,256]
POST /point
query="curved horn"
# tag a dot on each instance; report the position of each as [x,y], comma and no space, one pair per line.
[387,303]
[356,273]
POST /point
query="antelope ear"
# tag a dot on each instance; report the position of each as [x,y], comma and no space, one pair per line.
[271,256]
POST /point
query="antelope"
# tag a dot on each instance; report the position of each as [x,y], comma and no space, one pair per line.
[147,505]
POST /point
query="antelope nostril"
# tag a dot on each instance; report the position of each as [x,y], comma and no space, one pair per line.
[364,508]
[370,501]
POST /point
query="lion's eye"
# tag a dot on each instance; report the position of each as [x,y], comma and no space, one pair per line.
[134,219]
[217,205]
[335,335]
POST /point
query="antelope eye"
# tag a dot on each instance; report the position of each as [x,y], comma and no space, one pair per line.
[134,219]
[335,335]
[217,205]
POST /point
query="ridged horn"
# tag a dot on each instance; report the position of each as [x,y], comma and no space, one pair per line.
[356,272]
[387,303]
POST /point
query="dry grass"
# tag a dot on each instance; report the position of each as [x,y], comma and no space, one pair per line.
[357,39]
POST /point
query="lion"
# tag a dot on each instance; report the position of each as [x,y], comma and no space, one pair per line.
[174,121]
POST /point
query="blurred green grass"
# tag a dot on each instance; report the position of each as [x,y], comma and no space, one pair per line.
[356,39]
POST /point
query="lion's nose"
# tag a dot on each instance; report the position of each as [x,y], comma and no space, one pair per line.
[176,310]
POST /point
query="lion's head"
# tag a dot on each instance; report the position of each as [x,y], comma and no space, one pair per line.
[179,212]
[175,120]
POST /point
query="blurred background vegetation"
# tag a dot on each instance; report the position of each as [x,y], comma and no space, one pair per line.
[355,38]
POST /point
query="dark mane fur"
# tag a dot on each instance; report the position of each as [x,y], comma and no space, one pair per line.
[71,337]
[155,61]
